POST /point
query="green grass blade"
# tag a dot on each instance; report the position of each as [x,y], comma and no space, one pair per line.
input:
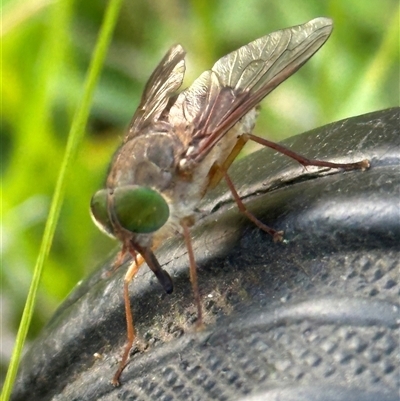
[74,139]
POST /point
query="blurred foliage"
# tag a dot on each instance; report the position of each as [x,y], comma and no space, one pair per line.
[45,56]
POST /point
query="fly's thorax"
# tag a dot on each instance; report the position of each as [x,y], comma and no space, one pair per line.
[146,160]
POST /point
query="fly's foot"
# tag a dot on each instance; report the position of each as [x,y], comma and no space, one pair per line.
[277,236]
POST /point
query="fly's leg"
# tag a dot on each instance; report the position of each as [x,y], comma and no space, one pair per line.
[140,255]
[218,172]
[130,274]
[119,260]
[193,272]
[361,165]
[276,235]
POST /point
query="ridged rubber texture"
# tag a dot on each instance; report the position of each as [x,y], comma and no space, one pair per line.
[313,318]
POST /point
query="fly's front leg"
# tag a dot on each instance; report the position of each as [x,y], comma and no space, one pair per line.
[130,274]
[119,260]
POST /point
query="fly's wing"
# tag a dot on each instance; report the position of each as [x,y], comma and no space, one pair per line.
[163,82]
[205,111]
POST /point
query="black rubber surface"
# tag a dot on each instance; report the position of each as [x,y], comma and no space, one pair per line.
[313,318]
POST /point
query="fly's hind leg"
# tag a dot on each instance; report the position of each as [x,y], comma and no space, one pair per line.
[276,235]
[219,171]
[361,165]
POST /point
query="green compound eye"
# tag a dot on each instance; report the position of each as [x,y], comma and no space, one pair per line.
[139,209]
[98,207]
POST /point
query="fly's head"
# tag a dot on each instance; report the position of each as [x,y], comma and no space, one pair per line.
[130,213]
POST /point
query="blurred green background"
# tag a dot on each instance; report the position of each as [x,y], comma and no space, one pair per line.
[46,48]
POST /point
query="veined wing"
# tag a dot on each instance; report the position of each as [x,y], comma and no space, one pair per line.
[162,84]
[205,111]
